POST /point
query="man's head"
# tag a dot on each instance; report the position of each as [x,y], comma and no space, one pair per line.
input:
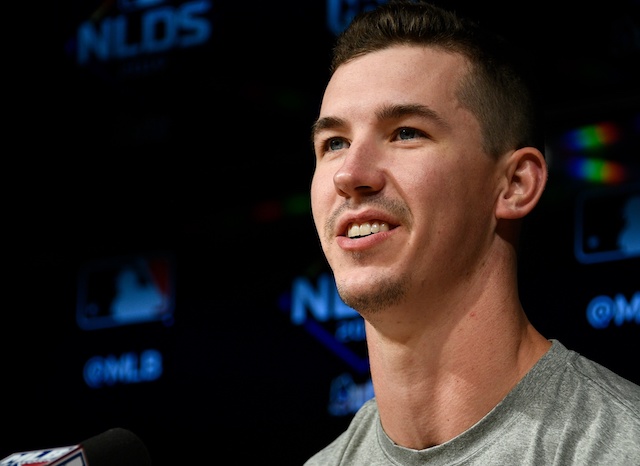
[498,88]
[417,185]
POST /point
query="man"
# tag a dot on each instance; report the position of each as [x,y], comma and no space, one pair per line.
[427,160]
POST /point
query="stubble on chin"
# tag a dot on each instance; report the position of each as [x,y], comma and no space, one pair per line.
[382,293]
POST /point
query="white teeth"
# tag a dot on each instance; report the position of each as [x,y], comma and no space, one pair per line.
[366,228]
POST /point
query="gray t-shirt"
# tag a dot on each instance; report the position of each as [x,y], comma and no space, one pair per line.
[567,410]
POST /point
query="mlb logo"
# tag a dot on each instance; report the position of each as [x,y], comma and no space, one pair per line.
[125,291]
[608,224]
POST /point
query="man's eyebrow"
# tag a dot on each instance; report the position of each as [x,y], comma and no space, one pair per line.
[326,123]
[388,112]
[391,112]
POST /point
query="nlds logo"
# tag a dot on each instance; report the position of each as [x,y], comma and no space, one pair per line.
[141,27]
[319,309]
[322,313]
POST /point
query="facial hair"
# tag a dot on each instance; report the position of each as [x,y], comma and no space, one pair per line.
[384,291]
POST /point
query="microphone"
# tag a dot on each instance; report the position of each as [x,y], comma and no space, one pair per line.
[114,447]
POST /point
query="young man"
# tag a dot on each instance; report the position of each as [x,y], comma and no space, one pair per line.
[427,160]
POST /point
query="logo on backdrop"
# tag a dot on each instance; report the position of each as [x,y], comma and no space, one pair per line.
[608,225]
[137,30]
[322,313]
[346,396]
[127,368]
[125,291]
[604,311]
[341,12]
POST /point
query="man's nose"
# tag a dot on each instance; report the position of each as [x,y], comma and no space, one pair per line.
[361,172]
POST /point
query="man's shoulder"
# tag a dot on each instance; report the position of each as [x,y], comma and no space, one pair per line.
[582,377]
[361,429]
[609,384]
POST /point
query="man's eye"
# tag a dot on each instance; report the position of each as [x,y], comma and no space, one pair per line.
[335,144]
[408,133]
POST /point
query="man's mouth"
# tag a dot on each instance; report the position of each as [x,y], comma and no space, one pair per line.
[356,230]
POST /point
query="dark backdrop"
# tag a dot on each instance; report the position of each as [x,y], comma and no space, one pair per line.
[198,158]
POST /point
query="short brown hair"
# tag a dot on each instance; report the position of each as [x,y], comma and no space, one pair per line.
[500,89]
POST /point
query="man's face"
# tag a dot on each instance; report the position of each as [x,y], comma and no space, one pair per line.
[402,194]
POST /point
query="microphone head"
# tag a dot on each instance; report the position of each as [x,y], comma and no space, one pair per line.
[116,447]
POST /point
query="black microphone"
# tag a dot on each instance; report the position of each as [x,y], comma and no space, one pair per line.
[114,447]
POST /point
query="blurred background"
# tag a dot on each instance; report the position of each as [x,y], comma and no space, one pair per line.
[163,271]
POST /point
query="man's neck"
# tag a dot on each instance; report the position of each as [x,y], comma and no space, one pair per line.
[444,378]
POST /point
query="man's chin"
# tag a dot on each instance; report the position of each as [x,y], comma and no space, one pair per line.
[368,294]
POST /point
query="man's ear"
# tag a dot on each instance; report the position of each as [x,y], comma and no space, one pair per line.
[525,172]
